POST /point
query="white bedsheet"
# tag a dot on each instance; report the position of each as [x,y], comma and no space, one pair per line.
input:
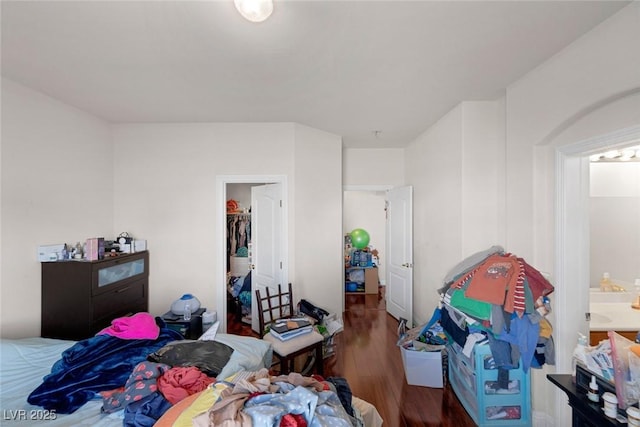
[24,362]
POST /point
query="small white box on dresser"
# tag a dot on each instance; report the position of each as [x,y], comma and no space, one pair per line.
[48,253]
[139,245]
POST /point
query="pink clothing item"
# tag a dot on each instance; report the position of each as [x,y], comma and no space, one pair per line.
[140,326]
[180,382]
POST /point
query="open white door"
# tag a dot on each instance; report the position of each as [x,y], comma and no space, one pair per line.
[266,248]
[399,292]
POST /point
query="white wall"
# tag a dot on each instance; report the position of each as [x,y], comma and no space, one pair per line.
[597,69]
[434,168]
[483,174]
[67,176]
[457,170]
[317,248]
[171,201]
[373,167]
[57,187]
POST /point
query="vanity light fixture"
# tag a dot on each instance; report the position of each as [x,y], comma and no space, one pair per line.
[612,154]
[627,155]
[254,10]
[623,155]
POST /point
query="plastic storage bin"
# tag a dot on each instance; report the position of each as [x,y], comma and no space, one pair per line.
[423,368]
[473,380]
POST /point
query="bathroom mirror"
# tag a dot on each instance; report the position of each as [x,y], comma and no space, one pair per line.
[614,216]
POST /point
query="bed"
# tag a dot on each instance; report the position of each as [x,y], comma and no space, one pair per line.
[24,363]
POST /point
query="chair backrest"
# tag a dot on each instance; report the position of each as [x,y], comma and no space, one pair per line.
[274,306]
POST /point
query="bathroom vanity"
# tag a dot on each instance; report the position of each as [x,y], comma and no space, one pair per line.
[611,311]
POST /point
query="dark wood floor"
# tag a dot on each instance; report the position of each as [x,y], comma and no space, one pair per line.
[367,356]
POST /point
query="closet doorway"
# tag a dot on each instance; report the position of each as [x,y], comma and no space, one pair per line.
[253,248]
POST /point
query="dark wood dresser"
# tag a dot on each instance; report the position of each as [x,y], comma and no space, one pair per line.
[584,413]
[79,297]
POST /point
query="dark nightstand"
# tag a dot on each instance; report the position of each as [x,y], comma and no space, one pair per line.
[190,329]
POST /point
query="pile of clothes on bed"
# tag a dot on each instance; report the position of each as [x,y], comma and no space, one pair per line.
[141,370]
[259,399]
[496,296]
[137,361]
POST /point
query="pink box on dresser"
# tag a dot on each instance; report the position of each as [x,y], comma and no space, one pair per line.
[95,248]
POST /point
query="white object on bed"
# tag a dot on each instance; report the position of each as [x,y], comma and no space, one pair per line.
[210,334]
[250,354]
[24,363]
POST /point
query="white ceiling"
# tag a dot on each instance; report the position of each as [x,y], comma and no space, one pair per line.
[346,67]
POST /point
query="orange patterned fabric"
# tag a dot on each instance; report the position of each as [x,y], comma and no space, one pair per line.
[180,382]
[496,281]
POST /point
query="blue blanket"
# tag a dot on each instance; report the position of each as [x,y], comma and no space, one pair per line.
[92,365]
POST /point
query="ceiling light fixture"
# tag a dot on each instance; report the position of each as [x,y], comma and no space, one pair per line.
[254,10]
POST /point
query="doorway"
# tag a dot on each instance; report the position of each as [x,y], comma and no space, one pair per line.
[368,207]
[236,258]
[365,209]
[572,266]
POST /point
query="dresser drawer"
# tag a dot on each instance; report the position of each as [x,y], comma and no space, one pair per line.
[117,300]
[118,271]
[460,366]
[459,356]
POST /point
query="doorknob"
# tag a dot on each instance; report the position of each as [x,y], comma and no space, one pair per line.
[407,265]
[252,266]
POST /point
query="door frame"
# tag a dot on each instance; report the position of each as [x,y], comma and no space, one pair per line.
[571,226]
[221,232]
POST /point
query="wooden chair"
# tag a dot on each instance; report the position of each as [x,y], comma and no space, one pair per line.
[280,306]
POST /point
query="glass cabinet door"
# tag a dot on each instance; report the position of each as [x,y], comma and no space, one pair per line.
[116,273]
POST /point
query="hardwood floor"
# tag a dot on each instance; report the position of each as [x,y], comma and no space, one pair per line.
[367,356]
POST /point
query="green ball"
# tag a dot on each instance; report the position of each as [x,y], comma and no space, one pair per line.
[359,238]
